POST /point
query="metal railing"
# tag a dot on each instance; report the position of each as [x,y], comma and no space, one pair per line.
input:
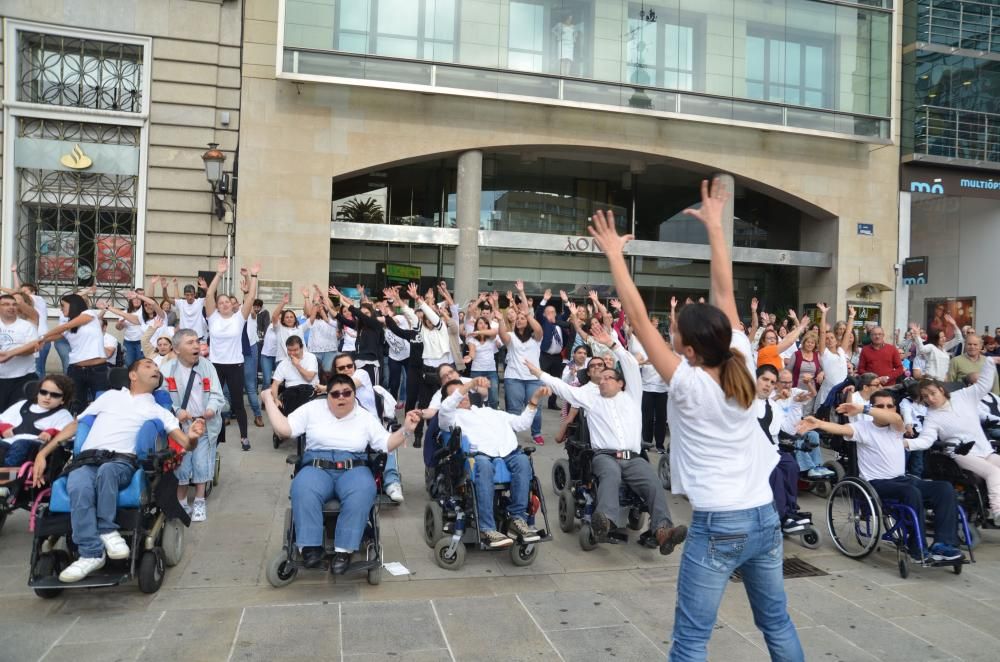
[957,134]
[959,24]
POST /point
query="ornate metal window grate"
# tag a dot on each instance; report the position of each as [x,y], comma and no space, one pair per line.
[60,70]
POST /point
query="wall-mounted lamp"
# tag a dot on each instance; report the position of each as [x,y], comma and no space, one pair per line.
[221,181]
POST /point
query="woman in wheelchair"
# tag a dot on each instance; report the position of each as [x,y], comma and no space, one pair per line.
[491,432]
[337,433]
[881,451]
[106,464]
[26,425]
[956,416]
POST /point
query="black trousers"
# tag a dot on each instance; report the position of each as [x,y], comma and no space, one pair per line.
[12,390]
[551,364]
[231,375]
[785,485]
[654,417]
[425,387]
[396,369]
[88,381]
[915,493]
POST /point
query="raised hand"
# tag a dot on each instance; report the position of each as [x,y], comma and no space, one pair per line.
[600,334]
[202,283]
[673,303]
[255,269]
[713,202]
[547,294]
[563,295]
[850,312]
[519,285]
[753,305]
[823,308]
[593,295]
[793,316]
[615,303]
[539,395]
[602,229]
[223,266]
[949,319]
[388,293]
[411,289]
[510,297]
[285,299]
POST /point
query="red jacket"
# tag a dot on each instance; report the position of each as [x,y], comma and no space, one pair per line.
[883,362]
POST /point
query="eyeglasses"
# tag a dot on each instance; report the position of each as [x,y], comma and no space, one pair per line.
[346,393]
[51,394]
[884,406]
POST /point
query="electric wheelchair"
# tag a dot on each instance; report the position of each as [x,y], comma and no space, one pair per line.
[970,491]
[283,568]
[149,517]
[578,498]
[450,520]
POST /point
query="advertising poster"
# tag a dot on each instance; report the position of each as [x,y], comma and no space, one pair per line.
[57,255]
[962,309]
[114,259]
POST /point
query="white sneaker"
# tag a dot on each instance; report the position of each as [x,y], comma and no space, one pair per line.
[115,545]
[394,492]
[996,518]
[198,513]
[4,492]
[81,568]
[186,506]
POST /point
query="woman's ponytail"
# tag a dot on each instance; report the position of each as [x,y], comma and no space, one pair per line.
[736,382]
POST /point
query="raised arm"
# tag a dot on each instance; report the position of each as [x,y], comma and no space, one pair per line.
[755,322]
[957,338]
[823,310]
[504,330]
[794,334]
[125,315]
[573,395]
[713,202]
[848,340]
[278,420]
[146,341]
[812,423]
[145,299]
[251,294]
[220,269]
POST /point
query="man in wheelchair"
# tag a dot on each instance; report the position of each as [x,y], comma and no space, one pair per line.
[881,450]
[491,432]
[107,463]
[338,432]
[614,416]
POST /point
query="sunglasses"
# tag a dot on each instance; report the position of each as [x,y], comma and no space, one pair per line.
[883,406]
[341,368]
[346,393]
[51,394]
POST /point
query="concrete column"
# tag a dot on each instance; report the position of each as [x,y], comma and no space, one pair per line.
[728,213]
[903,252]
[468,191]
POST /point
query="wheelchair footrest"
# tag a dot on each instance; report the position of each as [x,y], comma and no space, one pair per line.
[616,536]
[94,580]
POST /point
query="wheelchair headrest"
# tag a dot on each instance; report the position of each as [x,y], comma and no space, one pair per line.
[147,440]
[30,390]
[118,379]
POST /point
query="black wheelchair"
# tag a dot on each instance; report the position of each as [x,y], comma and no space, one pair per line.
[578,498]
[283,568]
[858,520]
[970,491]
[450,520]
[292,398]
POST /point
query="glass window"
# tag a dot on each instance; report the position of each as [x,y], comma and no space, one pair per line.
[525,43]
[409,29]
[659,53]
[787,70]
[83,73]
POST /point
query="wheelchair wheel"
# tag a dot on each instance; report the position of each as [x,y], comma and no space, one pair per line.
[151,571]
[280,571]
[587,539]
[663,468]
[276,440]
[453,561]
[567,511]
[560,475]
[634,519]
[208,489]
[173,542]
[375,575]
[837,468]
[904,567]
[957,568]
[522,555]
[854,518]
[822,488]
[810,539]
[50,564]
[433,523]
[218,470]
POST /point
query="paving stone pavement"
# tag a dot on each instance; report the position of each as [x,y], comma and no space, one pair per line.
[614,603]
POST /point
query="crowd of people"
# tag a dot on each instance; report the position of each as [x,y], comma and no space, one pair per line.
[743,400]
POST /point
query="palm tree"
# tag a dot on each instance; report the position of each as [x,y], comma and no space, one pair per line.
[361,211]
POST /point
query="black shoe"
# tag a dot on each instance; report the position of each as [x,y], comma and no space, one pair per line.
[668,538]
[245,444]
[601,525]
[312,557]
[340,562]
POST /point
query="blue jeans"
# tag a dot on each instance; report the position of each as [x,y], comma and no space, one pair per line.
[494,396]
[312,487]
[93,499]
[18,451]
[808,456]
[197,466]
[266,369]
[43,356]
[520,478]
[62,349]
[250,379]
[517,392]
[390,474]
[133,351]
[719,543]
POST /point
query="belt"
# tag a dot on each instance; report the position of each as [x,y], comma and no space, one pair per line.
[620,455]
[337,465]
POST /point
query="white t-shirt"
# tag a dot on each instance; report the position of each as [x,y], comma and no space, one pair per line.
[834,366]
[490,431]
[881,453]
[13,336]
[858,399]
[56,421]
[651,379]
[226,333]
[286,372]
[399,348]
[719,456]
[323,335]
[88,341]
[281,334]
[791,410]
[269,345]
[133,332]
[324,431]
[485,360]
[350,339]
[191,315]
[123,415]
[517,351]
[42,309]
[110,342]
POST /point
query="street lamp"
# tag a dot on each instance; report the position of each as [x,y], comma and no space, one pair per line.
[214,161]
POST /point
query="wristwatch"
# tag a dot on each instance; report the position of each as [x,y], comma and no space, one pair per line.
[867,408]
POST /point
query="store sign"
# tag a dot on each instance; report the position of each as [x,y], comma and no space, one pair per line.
[915,271]
[41,154]
[940,181]
[581,245]
[403,273]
